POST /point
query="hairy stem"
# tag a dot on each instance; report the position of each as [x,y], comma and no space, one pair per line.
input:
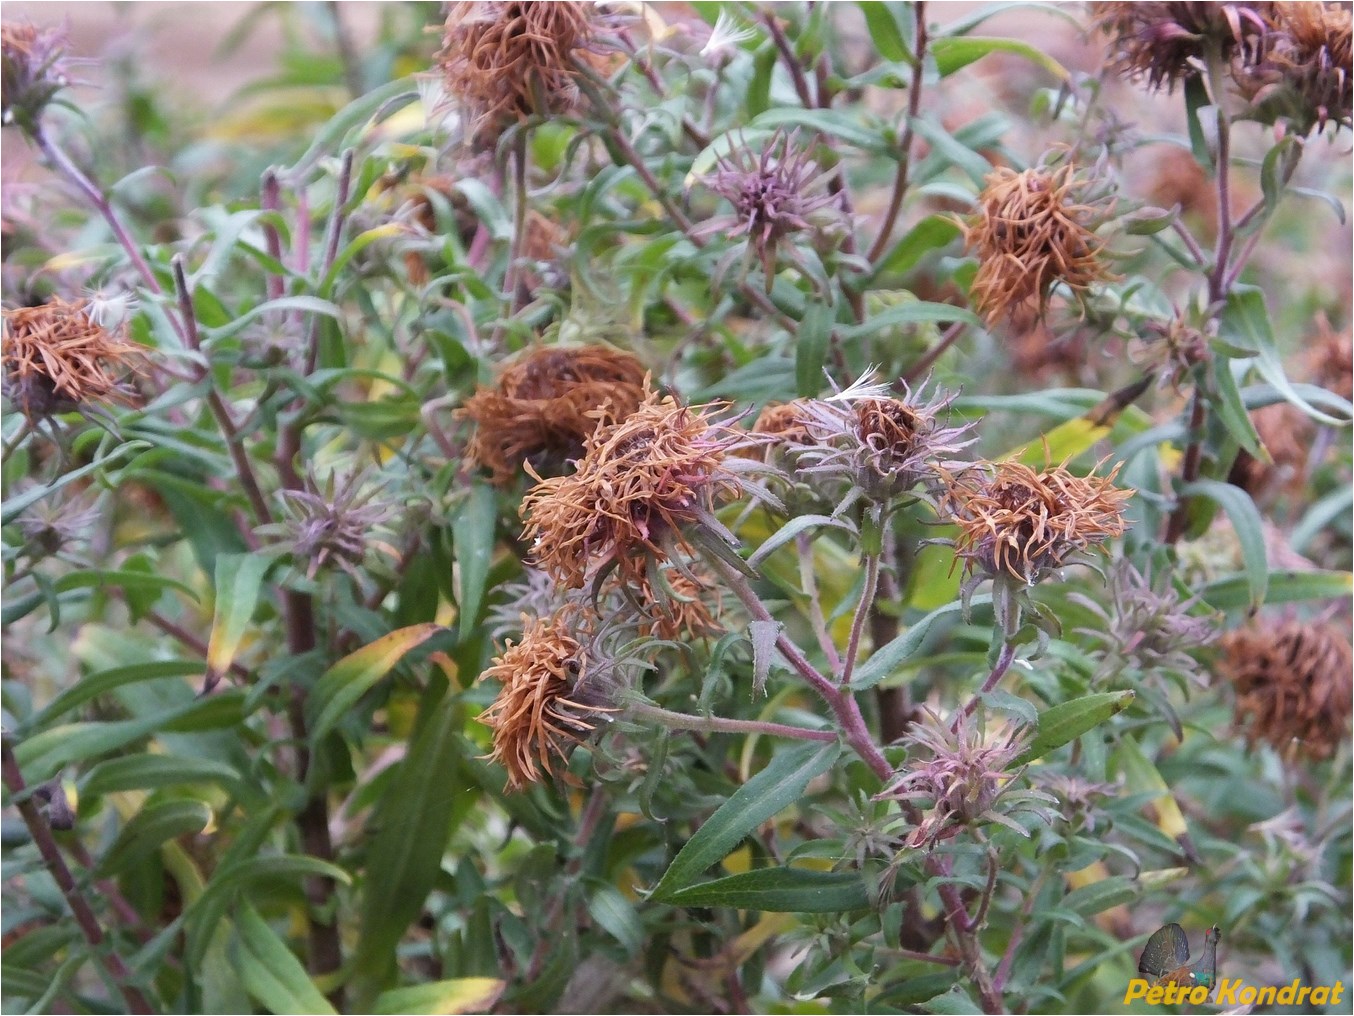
[85,918]
[900,179]
[863,609]
[1004,659]
[720,724]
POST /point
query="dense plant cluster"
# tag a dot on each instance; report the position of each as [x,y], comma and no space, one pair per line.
[680,508]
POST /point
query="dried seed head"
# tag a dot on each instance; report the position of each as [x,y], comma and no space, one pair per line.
[1032,232]
[876,445]
[639,481]
[34,68]
[776,191]
[1292,685]
[1171,350]
[1306,70]
[549,701]
[546,403]
[1022,524]
[331,526]
[964,778]
[507,61]
[676,603]
[1169,42]
[60,521]
[56,358]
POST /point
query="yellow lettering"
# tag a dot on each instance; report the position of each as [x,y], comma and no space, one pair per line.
[1227,990]
[1266,995]
[1155,994]
[1198,994]
[1247,995]
[1288,993]
[1303,992]
[1336,992]
[1321,995]
[1137,988]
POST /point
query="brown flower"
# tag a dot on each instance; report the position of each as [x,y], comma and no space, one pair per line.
[34,69]
[508,61]
[1292,685]
[1031,233]
[1171,41]
[1171,350]
[674,604]
[1307,64]
[546,403]
[638,482]
[548,704]
[56,358]
[1019,523]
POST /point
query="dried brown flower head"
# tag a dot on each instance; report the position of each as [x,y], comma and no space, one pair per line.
[548,704]
[1171,350]
[1330,359]
[639,481]
[676,603]
[546,403]
[1169,42]
[1040,355]
[1022,524]
[507,61]
[56,358]
[33,68]
[1032,232]
[1307,64]
[1292,685]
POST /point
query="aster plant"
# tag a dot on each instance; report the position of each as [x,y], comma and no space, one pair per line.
[558,507]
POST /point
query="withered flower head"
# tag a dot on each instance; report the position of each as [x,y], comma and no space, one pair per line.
[56,359]
[1147,625]
[675,602]
[877,445]
[1292,685]
[549,702]
[964,779]
[776,192]
[1021,524]
[507,61]
[639,481]
[546,403]
[61,520]
[1169,42]
[1033,231]
[336,525]
[1170,349]
[34,68]
[1307,64]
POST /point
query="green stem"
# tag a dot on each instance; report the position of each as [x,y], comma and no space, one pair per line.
[724,725]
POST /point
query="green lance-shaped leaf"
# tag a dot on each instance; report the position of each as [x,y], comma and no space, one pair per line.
[412,821]
[776,787]
[955,52]
[441,998]
[472,533]
[149,828]
[1249,529]
[1067,721]
[892,654]
[271,973]
[780,890]
[811,347]
[239,578]
[353,676]
[1099,896]
[1284,587]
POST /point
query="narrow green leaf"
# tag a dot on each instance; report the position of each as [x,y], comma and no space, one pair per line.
[888,657]
[412,820]
[1249,529]
[1065,722]
[780,890]
[239,578]
[150,827]
[1284,587]
[330,138]
[105,681]
[15,506]
[270,971]
[472,533]
[886,33]
[441,998]
[811,345]
[959,155]
[304,304]
[148,771]
[350,678]
[613,912]
[1232,411]
[125,579]
[930,234]
[830,122]
[1097,897]
[957,51]
[917,312]
[790,530]
[776,787]
[1196,103]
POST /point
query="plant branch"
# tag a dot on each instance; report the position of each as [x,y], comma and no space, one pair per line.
[863,609]
[928,359]
[900,180]
[55,863]
[588,822]
[333,236]
[1004,659]
[809,583]
[720,724]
